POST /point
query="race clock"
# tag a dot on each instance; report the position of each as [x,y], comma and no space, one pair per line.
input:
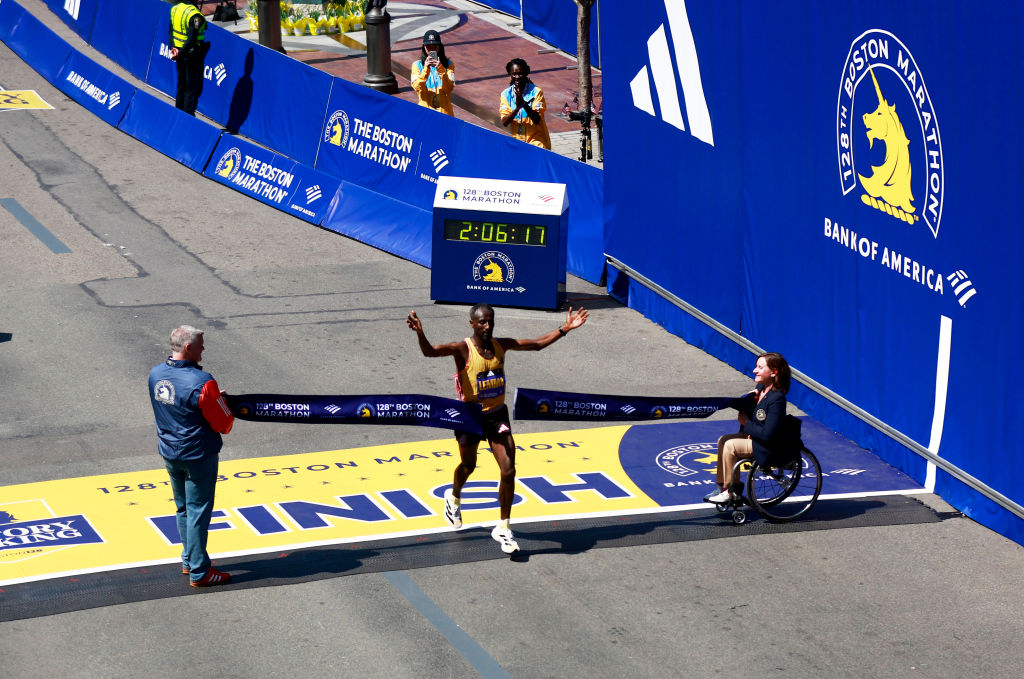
[499,241]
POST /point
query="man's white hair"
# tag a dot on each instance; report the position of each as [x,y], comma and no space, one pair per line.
[182,335]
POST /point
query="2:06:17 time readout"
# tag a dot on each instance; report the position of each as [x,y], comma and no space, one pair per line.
[495,232]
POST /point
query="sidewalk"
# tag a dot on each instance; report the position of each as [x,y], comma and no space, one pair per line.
[480,41]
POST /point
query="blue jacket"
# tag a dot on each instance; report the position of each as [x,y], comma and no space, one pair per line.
[182,429]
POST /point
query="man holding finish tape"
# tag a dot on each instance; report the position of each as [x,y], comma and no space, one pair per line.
[480,377]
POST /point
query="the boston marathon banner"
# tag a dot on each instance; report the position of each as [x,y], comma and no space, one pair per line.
[405,409]
[837,182]
[272,178]
[539,404]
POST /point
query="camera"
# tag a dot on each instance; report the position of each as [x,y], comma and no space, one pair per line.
[432,54]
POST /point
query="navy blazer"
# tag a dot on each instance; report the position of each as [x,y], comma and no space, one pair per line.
[765,424]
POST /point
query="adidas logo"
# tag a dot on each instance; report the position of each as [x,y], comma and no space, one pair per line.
[113,101]
[962,286]
[332,409]
[72,7]
[439,159]
[686,71]
[312,193]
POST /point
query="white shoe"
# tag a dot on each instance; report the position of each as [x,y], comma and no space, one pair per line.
[506,539]
[719,498]
[452,510]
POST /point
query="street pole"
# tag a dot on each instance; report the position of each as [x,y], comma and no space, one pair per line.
[268,14]
[378,49]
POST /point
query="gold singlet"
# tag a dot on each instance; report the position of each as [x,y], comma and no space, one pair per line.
[482,380]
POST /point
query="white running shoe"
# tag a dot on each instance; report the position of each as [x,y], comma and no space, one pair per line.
[505,539]
[452,510]
[719,498]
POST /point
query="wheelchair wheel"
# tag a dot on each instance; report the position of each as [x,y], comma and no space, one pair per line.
[786,492]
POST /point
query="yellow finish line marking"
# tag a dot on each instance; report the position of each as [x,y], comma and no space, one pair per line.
[99,523]
[22,99]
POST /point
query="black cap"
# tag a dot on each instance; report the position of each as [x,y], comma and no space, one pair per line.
[431,38]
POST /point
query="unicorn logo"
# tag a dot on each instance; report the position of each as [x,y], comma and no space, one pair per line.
[228,164]
[494,267]
[890,181]
[909,191]
[337,129]
[493,272]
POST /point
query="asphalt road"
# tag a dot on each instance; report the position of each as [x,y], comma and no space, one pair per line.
[289,307]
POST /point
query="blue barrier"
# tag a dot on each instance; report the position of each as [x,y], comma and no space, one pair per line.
[761,204]
[222,67]
[94,87]
[381,221]
[271,178]
[125,36]
[159,125]
[78,14]
[31,40]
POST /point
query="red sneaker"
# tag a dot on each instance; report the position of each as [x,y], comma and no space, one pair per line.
[212,577]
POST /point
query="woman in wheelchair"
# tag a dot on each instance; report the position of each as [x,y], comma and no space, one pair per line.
[761,415]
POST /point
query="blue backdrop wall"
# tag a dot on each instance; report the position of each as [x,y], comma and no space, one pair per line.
[840,183]
[554,22]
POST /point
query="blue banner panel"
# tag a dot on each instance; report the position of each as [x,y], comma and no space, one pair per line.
[95,88]
[554,22]
[380,221]
[125,35]
[158,124]
[78,14]
[865,236]
[414,409]
[513,7]
[61,531]
[30,39]
[391,146]
[272,178]
[540,404]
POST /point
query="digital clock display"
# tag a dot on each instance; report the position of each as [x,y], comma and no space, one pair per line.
[495,232]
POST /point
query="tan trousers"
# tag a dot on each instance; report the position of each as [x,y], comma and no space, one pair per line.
[731,447]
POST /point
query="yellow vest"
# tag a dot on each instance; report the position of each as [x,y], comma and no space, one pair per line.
[181,15]
[482,380]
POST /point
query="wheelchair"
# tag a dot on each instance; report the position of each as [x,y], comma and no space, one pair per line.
[778,492]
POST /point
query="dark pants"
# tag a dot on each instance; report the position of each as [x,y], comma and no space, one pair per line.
[190,81]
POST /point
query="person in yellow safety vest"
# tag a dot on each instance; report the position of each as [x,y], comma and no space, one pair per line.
[188,50]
